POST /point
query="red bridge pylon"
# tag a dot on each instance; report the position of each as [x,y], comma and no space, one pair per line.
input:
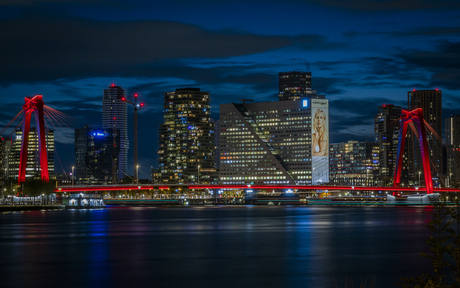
[33,104]
[407,119]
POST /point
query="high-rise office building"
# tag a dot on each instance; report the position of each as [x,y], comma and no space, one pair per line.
[33,158]
[452,133]
[217,144]
[5,153]
[115,116]
[283,142]
[294,85]
[186,148]
[354,163]
[96,152]
[386,129]
[431,103]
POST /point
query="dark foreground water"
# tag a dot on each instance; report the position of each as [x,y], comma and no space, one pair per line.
[212,246]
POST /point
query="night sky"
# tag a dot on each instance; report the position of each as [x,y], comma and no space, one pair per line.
[361,54]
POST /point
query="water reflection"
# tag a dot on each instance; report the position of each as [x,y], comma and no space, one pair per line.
[210,247]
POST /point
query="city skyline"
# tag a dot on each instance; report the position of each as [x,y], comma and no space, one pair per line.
[360,56]
[366,138]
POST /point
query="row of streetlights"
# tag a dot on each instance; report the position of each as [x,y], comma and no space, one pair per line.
[448,179]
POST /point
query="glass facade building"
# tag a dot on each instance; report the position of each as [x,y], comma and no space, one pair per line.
[96,153]
[271,142]
[354,163]
[452,133]
[186,148]
[386,131]
[5,153]
[294,85]
[431,103]
[115,117]
[33,159]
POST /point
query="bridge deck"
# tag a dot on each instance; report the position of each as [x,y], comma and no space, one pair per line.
[244,187]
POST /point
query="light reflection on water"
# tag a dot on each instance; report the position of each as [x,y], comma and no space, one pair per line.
[211,246]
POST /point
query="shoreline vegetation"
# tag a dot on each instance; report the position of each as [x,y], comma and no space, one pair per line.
[444,244]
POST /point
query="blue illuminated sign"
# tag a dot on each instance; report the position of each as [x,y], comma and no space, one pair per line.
[305,103]
[100,134]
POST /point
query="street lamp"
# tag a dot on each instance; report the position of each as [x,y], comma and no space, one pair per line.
[198,176]
[419,178]
[137,174]
[72,174]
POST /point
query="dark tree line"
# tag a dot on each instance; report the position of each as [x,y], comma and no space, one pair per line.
[444,246]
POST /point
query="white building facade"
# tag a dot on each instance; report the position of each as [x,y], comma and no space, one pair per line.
[275,142]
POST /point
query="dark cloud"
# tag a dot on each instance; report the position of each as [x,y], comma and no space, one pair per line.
[356,5]
[385,23]
[388,5]
[248,82]
[331,65]
[242,79]
[371,72]
[329,85]
[443,64]
[39,2]
[73,114]
[72,107]
[356,121]
[46,49]
[419,31]
[363,105]
[388,71]
[452,101]
[429,31]
[236,74]
[410,68]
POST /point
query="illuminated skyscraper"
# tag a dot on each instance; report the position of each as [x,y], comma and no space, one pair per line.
[282,142]
[431,103]
[386,129]
[115,116]
[452,127]
[294,85]
[186,150]
[217,144]
[33,159]
[5,152]
[354,163]
[95,152]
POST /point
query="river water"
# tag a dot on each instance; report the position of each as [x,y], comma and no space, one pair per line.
[212,246]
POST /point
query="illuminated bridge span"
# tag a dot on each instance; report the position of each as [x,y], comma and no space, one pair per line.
[245,187]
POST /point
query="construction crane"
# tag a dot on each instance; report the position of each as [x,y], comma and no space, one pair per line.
[245,100]
[137,106]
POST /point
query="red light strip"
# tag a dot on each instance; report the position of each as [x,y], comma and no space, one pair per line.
[244,187]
